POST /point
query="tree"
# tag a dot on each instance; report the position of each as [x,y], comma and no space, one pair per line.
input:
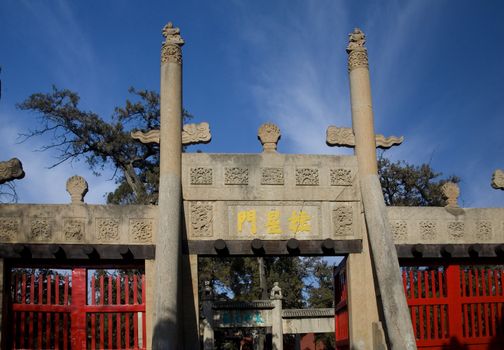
[78,134]
[405,184]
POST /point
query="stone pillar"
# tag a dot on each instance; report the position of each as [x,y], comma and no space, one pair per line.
[207,322]
[276,317]
[395,309]
[2,279]
[190,302]
[168,239]
[150,269]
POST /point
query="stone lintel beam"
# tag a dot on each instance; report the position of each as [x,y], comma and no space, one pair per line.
[344,137]
[191,134]
[449,251]
[11,170]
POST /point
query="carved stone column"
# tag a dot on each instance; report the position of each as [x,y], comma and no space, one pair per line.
[386,265]
[168,240]
[276,317]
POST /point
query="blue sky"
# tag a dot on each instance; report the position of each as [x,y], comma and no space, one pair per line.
[436,70]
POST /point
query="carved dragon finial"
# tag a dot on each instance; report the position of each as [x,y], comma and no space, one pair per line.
[171,51]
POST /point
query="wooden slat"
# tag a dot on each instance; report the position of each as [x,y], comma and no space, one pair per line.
[118,315]
[127,317]
[48,329]
[135,302]
[102,320]
[93,315]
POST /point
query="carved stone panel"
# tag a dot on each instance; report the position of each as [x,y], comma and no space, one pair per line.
[399,229]
[74,229]
[341,177]
[428,230]
[201,176]
[342,218]
[307,177]
[455,230]
[484,230]
[107,229]
[201,214]
[9,228]
[141,230]
[41,229]
[272,176]
[236,176]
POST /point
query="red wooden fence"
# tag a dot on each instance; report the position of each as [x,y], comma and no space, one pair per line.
[456,306]
[341,307]
[54,310]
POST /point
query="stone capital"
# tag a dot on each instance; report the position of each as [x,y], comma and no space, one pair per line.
[357,53]
[171,50]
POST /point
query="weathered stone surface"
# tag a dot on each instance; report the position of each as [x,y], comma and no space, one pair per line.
[77,187]
[269,134]
[236,176]
[196,133]
[171,51]
[341,177]
[498,179]
[11,170]
[434,225]
[307,177]
[201,176]
[451,192]
[265,170]
[68,224]
[201,219]
[344,137]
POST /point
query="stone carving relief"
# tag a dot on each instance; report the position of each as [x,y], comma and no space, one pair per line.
[307,177]
[11,170]
[171,51]
[201,176]
[236,176]
[428,229]
[342,218]
[151,136]
[498,179]
[107,229]
[344,137]
[9,228]
[141,230]
[77,187]
[455,230]
[40,229]
[272,176]
[202,219]
[399,229]
[196,133]
[484,230]
[269,134]
[341,177]
[451,192]
[357,53]
[74,229]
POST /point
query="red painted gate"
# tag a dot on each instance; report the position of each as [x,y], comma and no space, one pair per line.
[456,306]
[77,309]
[341,307]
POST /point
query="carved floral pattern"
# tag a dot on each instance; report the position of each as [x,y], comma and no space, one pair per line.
[202,219]
[272,176]
[269,134]
[342,218]
[428,229]
[484,230]
[171,51]
[9,228]
[455,230]
[307,177]
[341,177]
[107,229]
[399,229]
[357,53]
[236,176]
[196,133]
[74,229]
[40,229]
[141,230]
[77,187]
[201,176]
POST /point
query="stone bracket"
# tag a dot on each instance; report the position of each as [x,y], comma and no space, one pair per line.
[272,248]
[91,252]
[344,137]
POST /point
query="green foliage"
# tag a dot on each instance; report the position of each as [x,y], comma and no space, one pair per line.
[405,184]
[77,134]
